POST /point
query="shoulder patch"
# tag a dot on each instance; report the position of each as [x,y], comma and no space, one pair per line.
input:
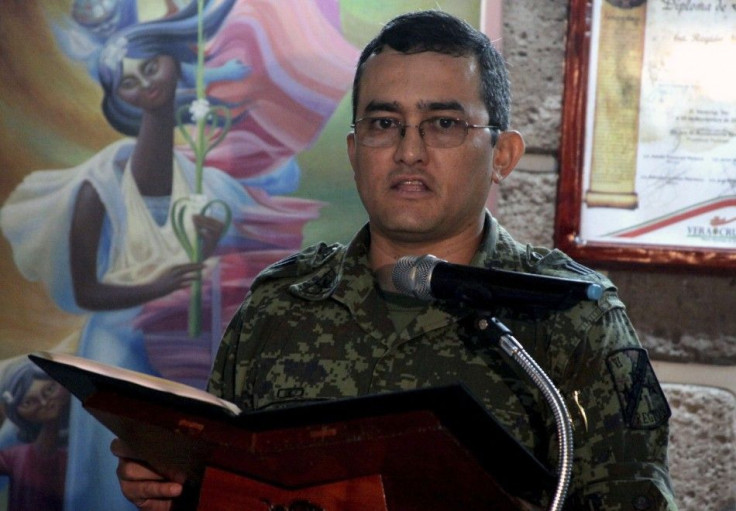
[643,404]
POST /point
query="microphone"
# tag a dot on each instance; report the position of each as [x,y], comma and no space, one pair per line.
[428,277]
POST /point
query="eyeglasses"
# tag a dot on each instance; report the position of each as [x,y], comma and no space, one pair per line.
[440,132]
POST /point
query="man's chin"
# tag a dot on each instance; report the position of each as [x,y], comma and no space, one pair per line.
[410,233]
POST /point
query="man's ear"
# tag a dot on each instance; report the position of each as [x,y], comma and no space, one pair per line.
[508,151]
[350,139]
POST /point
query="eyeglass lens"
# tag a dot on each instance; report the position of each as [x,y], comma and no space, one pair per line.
[436,132]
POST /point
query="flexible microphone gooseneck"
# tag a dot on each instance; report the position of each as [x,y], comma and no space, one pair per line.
[513,348]
[428,277]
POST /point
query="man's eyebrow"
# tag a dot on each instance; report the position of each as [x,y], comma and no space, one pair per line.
[427,106]
[442,105]
[382,106]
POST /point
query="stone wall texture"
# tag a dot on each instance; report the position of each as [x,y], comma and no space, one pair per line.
[681,317]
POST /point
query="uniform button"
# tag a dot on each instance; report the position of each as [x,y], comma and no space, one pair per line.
[641,503]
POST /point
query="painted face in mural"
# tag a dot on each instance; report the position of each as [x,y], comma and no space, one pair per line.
[149,83]
[43,401]
[414,192]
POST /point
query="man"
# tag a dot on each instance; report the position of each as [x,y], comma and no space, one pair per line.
[431,119]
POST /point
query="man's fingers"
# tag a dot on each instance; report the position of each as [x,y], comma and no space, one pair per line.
[140,484]
[138,491]
[132,470]
[121,449]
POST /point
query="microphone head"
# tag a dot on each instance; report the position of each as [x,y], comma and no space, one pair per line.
[412,275]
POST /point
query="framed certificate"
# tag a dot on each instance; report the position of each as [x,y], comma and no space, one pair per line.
[648,154]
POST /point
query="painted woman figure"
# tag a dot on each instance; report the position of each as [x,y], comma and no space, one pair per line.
[99,235]
[39,408]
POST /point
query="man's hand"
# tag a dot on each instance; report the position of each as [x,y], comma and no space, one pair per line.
[142,486]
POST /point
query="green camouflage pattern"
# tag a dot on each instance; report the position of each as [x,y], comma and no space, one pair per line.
[314,327]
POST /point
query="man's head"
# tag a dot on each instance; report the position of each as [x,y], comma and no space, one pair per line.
[426,145]
[440,32]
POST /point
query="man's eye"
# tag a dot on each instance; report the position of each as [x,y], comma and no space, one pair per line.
[383,123]
[444,123]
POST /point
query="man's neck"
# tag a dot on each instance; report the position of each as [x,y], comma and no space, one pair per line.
[461,249]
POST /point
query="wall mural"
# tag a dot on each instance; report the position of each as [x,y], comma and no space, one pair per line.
[154,157]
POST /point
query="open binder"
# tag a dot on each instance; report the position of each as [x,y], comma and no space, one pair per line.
[427,449]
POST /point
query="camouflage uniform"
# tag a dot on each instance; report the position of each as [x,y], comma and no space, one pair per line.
[315,327]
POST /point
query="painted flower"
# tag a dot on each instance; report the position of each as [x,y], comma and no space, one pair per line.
[114,52]
[199,109]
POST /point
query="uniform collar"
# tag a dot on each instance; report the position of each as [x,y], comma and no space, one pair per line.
[349,280]
[348,277]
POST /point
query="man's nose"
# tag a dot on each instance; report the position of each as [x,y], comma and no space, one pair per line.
[411,147]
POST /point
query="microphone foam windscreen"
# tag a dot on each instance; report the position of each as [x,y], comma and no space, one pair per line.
[412,275]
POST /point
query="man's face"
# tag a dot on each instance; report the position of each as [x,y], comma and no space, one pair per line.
[413,192]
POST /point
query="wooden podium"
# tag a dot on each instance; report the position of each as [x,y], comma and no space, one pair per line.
[427,449]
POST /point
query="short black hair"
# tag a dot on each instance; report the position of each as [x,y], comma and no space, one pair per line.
[441,32]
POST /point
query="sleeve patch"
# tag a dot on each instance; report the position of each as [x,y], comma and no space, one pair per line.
[642,401]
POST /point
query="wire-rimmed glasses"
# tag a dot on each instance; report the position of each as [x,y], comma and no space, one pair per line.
[440,132]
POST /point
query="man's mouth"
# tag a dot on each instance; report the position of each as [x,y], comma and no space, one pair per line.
[410,185]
